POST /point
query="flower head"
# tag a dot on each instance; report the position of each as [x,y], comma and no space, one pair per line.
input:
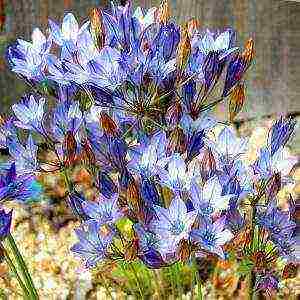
[172,225]
[280,133]
[105,210]
[30,113]
[212,236]
[209,199]
[93,244]
[18,187]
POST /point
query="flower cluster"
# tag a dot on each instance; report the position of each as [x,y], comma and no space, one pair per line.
[126,96]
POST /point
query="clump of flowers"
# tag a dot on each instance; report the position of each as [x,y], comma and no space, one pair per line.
[126,96]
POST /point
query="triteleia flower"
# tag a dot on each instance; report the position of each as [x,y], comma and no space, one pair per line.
[93,244]
[172,225]
[105,210]
[280,162]
[30,114]
[280,133]
[212,236]
[67,118]
[177,177]
[5,223]
[7,130]
[67,35]
[228,146]
[150,158]
[276,221]
[29,59]
[209,199]
[18,187]
[148,243]
[221,43]
[24,156]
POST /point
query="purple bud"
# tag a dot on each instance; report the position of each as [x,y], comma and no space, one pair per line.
[149,192]
[106,186]
[235,71]
[280,133]
[152,259]
[195,144]
[5,223]
[75,202]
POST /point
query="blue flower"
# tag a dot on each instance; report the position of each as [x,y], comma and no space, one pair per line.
[280,133]
[209,199]
[276,221]
[30,114]
[147,239]
[172,225]
[105,210]
[29,59]
[280,162]
[25,157]
[220,44]
[67,35]
[150,158]
[93,244]
[18,187]
[5,223]
[228,146]
[148,243]
[7,130]
[212,236]
[67,118]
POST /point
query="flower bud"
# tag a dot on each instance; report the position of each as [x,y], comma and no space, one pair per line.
[108,125]
[70,147]
[274,186]
[106,186]
[248,53]
[184,48]
[236,100]
[5,223]
[97,28]
[173,114]
[176,141]
[87,154]
[164,13]
[208,165]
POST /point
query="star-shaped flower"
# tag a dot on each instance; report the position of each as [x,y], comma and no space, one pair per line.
[172,225]
[212,236]
[93,244]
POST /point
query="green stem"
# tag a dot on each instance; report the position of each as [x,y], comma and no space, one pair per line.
[22,266]
[251,279]
[157,280]
[15,272]
[197,280]
[137,280]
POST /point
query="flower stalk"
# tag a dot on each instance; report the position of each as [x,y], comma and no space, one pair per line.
[21,265]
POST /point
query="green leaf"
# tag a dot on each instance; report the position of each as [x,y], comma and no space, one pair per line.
[245,267]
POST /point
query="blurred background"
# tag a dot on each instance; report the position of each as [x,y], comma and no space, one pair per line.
[273,89]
